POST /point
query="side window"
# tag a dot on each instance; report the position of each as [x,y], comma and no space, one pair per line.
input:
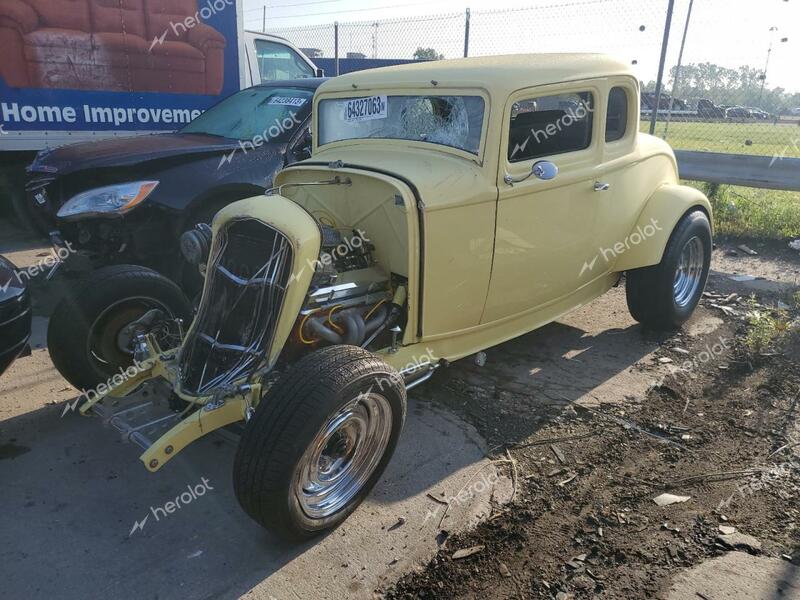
[617,117]
[550,125]
[276,61]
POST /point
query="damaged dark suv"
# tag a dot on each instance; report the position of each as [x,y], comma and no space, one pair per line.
[127,201]
[15,315]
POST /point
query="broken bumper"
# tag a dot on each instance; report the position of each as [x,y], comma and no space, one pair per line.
[149,421]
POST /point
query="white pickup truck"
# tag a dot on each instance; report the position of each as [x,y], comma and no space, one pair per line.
[92,69]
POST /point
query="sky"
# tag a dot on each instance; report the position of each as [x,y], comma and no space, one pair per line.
[726,32]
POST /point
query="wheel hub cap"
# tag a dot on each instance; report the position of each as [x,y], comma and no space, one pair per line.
[689,273]
[343,456]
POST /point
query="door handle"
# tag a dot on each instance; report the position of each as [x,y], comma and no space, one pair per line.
[599,186]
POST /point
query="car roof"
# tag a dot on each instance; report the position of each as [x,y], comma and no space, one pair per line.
[498,74]
[309,83]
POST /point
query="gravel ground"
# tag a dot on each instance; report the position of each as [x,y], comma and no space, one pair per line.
[713,431]
[591,417]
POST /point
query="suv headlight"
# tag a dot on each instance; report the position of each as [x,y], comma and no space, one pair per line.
[107,201]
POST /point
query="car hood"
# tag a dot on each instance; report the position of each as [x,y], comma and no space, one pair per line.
[442,179]
[128,151]
[11,286]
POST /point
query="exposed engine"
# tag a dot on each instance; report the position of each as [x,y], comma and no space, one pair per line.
[351,300]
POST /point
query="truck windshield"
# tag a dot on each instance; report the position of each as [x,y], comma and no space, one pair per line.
[271,112]
[277,61]
[454,121]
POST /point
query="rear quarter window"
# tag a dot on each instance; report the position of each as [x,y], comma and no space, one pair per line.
[617,116]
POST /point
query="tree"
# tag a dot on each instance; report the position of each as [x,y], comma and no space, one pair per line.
[427,54]
[722,85]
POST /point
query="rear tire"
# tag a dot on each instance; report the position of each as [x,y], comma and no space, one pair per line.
[83,336]
[664,296]
[349,405]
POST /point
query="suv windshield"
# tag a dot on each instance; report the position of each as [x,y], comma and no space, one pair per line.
[455,121]
[271,112]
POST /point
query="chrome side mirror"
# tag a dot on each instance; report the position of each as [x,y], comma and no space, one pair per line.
[544,170]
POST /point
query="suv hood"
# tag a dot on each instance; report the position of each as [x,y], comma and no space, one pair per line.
[128,151]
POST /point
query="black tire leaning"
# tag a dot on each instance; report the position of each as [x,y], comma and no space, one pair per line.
[288,419]
[69,328]
[649,291]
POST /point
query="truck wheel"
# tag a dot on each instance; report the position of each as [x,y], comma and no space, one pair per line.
[664,296]
[319,441]
[90,336]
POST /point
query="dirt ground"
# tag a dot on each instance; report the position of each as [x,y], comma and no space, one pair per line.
[720,429]
[589,418]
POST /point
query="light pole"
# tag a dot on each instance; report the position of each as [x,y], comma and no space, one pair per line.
[678,68]
[660,78]
[772,31]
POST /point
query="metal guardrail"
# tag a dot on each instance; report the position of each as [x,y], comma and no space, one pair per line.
[770,172]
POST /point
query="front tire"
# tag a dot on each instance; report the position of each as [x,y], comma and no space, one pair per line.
[88,335]
[664,296]
[319,441]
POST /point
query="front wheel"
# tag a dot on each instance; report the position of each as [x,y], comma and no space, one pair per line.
[92,332]
[319,441]
[664,296]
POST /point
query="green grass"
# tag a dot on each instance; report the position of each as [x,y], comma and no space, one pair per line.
[751,212]
[765,139]
[766,328]
[741,211]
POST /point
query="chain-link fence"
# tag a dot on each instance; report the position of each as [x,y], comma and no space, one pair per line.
[730,81]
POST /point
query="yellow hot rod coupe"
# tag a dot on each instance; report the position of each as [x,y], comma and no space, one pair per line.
[447,207]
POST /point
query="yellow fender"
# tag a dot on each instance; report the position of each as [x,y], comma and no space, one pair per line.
[666,207]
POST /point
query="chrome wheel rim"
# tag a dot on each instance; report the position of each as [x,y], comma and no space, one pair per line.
[343,456]
[689,273]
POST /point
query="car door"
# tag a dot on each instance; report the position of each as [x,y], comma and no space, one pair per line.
[626,182]
[544,230]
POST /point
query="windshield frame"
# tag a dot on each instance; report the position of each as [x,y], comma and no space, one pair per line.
[410,91]
[267,89]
